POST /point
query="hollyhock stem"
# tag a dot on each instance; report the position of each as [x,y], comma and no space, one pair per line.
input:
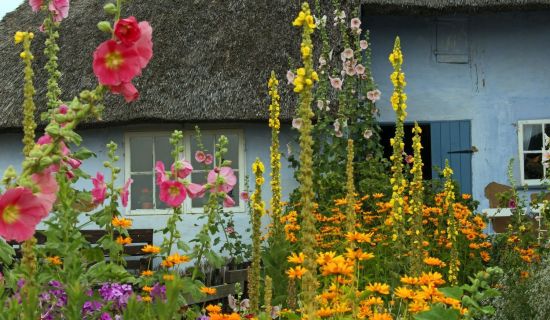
[51,51]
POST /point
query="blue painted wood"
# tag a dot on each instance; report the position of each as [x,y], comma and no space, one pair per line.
[448,137]
[435,131]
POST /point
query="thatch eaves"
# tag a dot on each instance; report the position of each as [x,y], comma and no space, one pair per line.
[412,7]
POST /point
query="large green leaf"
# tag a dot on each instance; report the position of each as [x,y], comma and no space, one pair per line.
[438,312]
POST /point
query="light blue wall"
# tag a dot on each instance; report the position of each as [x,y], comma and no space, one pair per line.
[257,142]
[507,79]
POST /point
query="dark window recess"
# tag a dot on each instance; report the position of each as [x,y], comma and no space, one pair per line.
[388,132]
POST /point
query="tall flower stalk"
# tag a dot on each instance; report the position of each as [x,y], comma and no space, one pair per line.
[452,225]
[303,85]
[275,125]
[416,196]
[398,181]
[29,108]
[350,196]
[258,209]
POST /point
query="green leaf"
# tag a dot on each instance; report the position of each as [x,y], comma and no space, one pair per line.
[452,292]
[438,312]
[6,253]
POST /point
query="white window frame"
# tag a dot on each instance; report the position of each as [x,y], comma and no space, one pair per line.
[522,152]
[188,135]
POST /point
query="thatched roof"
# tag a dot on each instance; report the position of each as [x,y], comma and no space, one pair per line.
[447,6]
[212,59]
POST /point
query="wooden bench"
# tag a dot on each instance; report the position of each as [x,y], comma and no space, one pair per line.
[136,260]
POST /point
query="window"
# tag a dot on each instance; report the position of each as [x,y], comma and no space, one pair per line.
[144,149]
[533,150]
[451,45]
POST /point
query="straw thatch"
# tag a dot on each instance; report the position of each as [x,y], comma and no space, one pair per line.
[211,62]
[212,57]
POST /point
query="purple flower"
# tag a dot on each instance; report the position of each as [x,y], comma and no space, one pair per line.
[90,307]
[159,291]
[106,316]
[203,317]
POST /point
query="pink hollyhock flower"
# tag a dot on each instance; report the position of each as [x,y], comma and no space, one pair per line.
[127,90]
[228,202]
[100,188]
[127,31]
[222,179]
[363,44]
[322,62]
[339,134]
[47,189]
[374,95]
[20,212]
[359,69]
[60,9]
[172,193]
[290,76]
[245,196]
[336,83]
[355,23]
[347,54]
[367,134]
[115,63]
[230,230]
[125,192]
[35,5]
[297,123]
[144,45]
[195,190]
[209,159]
[185,169]
[160,172]
[200,156]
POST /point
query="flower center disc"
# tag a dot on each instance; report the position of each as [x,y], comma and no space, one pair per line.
[10,214]
[113,60]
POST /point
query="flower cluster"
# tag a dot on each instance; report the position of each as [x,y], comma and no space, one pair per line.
[119,60]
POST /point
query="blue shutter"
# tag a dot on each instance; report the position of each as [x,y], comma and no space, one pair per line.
[452,140]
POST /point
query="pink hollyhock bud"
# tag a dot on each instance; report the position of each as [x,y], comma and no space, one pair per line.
[100,188]
[185,169]
[60,9]
[45,139]
[74,163]
[222,179]
[172,193]
[20,212]
[125,192]
[35,5]
[209,159]
[127,31]
[127,90]
[69,174]
[63,109]
[245,196]
[200,156]
[230,230]
[160,172]
[228,202]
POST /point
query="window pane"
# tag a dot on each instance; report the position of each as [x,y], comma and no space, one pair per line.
[200,178]
[142,192]
[163,148]
[547,136]
[532,137]
[233,150]
[141,154]
[533,168]
[208,142]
